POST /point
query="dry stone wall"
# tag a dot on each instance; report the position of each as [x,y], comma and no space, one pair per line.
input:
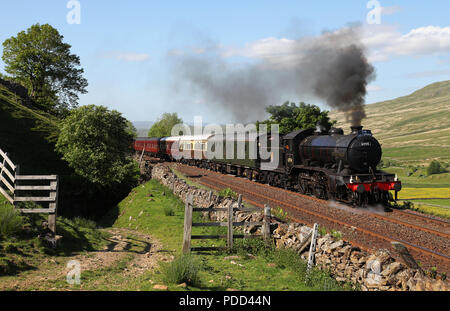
[371,272]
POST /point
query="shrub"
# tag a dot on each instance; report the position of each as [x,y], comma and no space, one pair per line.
[183,269]
[227,193]
[435,168]
[10,221]
[96,142]
[279,213]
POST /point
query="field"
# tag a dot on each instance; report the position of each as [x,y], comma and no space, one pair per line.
[439,207]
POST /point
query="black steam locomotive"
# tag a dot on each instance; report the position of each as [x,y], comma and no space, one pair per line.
[325,164]
[337,166]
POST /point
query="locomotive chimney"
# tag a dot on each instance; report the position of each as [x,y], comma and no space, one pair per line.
[356,129]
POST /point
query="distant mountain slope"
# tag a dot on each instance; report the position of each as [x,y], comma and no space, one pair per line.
[142,127]
[413,129]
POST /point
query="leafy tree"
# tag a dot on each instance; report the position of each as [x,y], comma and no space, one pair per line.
[163,127]
[291,117]
[42,62]
[131,129]
[435,168]
[96,143]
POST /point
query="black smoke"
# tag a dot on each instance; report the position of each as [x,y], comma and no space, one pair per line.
[332,67]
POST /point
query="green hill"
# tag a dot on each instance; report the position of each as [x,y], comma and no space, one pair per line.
[413,129]
[27,134]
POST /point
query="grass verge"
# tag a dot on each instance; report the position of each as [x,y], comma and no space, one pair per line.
[251,267]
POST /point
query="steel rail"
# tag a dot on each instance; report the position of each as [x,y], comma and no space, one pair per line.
[390,219]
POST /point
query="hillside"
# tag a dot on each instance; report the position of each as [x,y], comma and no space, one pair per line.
[413,129]
[27,134]
[142,127]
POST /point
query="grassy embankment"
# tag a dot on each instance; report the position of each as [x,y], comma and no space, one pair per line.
[27,134]
[22,253]
[262,272]
[28,265]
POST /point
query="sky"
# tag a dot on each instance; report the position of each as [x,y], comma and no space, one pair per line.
[127,47]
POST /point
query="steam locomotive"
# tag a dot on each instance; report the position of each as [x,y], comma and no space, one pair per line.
[325,164]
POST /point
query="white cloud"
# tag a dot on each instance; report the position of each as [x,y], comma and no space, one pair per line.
[387,42]
[383,42]
[129,56]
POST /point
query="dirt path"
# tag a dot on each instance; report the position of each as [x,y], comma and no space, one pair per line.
[139,251]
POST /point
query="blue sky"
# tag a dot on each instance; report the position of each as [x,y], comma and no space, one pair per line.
[124,45]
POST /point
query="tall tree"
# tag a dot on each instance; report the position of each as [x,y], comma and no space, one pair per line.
[40,60]
[163,127]
[291,117]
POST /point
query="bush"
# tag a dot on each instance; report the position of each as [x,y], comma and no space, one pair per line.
[96,143]
[227,193]
[183,269]
[435,168]
[279,213]
[10,221]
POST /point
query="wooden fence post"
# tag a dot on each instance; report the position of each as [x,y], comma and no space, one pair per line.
[210,196]
[53,205]
[312,249]
[142,154]
[230,227]
[187,225]
[266,221]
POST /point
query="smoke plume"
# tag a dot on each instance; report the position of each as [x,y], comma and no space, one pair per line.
[331,67]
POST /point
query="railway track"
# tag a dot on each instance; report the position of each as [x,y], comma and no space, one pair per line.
[427,238]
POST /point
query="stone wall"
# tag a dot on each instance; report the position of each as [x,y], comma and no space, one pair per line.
[377,271]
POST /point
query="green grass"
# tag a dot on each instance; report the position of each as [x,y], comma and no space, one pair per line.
[216,273]
[228,193]
[419,179]
[439,208]
[443,212]
[24,251]
[183,269]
